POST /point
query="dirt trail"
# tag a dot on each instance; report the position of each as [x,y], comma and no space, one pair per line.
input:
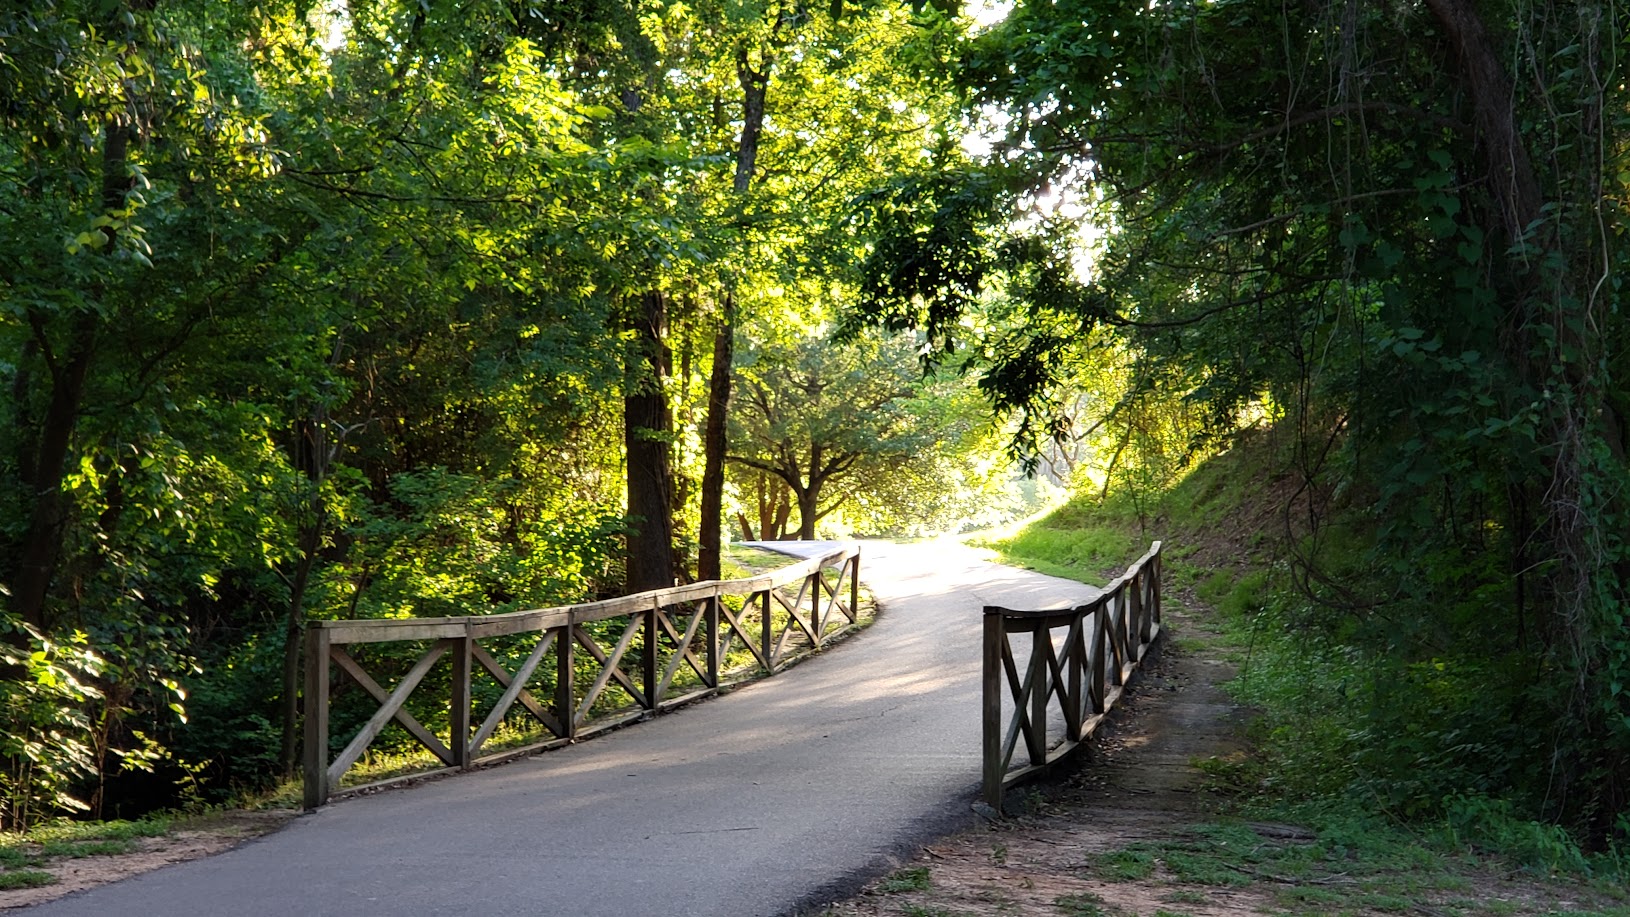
[1139,783]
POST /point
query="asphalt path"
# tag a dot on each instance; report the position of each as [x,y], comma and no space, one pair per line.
[773,798]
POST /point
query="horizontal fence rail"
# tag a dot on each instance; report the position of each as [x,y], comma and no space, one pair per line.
[575,670]
[1076,662]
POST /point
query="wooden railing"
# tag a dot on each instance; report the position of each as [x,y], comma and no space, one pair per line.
[1084,672]
[609,662]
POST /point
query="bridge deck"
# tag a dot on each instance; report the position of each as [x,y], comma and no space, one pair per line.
[784,792]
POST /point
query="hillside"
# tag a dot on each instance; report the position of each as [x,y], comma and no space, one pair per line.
[1198,801]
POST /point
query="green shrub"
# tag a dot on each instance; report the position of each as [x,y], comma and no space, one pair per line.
[47,738]
[25,878]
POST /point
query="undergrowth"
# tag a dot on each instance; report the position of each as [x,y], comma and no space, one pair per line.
[1382,754]
[23,853]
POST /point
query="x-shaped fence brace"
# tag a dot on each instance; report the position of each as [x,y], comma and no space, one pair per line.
[1104,641]
[667,647]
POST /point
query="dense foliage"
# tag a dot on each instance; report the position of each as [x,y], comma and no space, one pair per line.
[1395,231]
[334,309]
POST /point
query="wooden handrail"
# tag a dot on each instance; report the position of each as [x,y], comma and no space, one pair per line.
[682,631]
[1104,641]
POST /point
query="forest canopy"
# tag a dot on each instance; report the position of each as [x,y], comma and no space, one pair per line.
[383,309]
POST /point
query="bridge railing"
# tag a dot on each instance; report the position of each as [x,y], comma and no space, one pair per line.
[1076,662]
[575,670]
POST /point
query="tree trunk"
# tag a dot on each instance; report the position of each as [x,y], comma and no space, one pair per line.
[783,512]
[294,628]
[714,446]
[42,541]
[1555,287]
[754,86]
[647,430]
[809,501]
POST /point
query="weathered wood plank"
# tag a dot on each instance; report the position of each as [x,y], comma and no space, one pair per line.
[993,767]
[1086,675]
[682,645]
[359,675]
[681,653]
[514,689]
[388,710]
[458,705]
[315,765]
[608,668]
[736,629]
[391,630]
[1041,662]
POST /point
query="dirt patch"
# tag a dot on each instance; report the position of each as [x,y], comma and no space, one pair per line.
[195,838]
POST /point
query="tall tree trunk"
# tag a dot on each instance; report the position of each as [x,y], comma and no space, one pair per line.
[715,445]
[754,86]
[313,457]
[42,541]
[809,501]
[647,431]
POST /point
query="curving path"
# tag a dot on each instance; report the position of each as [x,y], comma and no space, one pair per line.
[784,793]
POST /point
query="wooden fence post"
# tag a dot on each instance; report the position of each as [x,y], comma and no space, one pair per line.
[648,658]
[816,587]
[767,634]
[1155,586]
[854,588]
[1139,625]
[712,625]
[992,706]
[458,718]
[316,724]
[1098,656]
[565,675]
[1035,738]
[1075,646]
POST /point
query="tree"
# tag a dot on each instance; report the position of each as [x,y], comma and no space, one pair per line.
[334,310]
[834,422]
[1388,226]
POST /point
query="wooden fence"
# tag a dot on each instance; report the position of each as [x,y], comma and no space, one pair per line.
[1102,643]
[608,663]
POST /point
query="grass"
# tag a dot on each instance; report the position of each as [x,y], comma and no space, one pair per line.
[25,878]
[1083,905]
[22,853]
[906,880]
[1088,555]
[1127,865]
[1348,864]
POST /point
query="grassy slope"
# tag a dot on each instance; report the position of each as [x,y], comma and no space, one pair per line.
[1222,526]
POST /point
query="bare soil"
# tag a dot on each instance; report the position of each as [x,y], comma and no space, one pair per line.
[197,837]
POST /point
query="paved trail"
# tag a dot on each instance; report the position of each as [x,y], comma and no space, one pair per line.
[784,793]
